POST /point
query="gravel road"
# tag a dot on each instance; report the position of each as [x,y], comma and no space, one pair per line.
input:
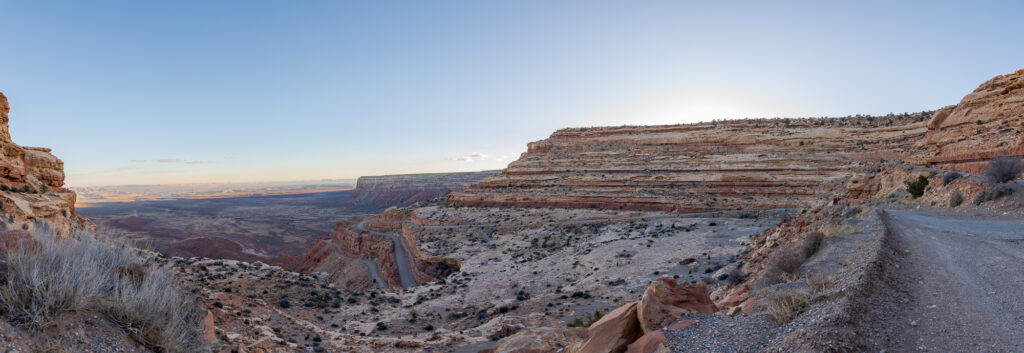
[963,280]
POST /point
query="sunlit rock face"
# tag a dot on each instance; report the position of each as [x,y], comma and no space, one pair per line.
[32,185]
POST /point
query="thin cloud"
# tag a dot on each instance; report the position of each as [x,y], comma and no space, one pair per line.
[169,160]
[138,161]
[230,157]
[198,162]
[473,156]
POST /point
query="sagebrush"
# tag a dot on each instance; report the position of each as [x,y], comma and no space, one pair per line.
[47,275]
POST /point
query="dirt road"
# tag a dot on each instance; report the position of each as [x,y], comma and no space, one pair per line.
[402,262]
[962,284]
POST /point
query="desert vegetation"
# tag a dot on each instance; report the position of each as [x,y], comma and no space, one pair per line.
[1002,169]
[48,275]
[917,187]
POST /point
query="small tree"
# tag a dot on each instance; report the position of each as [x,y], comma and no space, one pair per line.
[916,187]
[1002,169]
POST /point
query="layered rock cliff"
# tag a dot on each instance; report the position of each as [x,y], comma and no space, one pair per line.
[32,185]
[751,164]
[986,123]
[403,190]
[729,165]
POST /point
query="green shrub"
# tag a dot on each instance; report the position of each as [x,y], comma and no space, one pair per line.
[916,188]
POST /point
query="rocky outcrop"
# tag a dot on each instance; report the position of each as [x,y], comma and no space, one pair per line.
[32,185]
[403,190]
[986,123]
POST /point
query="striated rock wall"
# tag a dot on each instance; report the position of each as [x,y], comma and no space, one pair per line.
[752,164]
[32,185]
[730,165]
[986,122]
[404,190]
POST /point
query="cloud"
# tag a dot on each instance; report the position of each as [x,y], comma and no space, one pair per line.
[138,161]
[473,156]
[230,157]
[169,160]
[198,162]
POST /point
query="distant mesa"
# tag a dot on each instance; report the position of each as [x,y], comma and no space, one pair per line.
[406,189]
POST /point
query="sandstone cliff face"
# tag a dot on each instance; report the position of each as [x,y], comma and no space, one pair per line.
[404,190]
[731,165]
[986,122]
[32,182]
[751,164]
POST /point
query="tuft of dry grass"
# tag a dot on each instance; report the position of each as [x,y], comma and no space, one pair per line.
[48,275]
[157,317]
[829,230]
[819,283]
[785,306]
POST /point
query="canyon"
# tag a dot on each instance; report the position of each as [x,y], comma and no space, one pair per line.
[603,239]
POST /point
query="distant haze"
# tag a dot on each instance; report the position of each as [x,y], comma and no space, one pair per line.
[142,92]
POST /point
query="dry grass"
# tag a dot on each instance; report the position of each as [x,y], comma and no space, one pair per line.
[829,230]
[819,283]
[47,275]
[784,306]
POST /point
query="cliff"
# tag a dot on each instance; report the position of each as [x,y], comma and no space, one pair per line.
[751,164]
[32,185]
[986,122]
[403,190]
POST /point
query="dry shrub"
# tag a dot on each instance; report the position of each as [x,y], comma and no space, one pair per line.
[1002,169]
[956,199]
[810,244]
[48,275]
[786,305]
[819,283]
[790,259]
[157,317]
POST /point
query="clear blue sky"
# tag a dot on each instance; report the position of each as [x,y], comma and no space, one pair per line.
[290,90]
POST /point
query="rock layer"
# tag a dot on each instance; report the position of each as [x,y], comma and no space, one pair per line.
[32,185]
[751,164]
[404,190]
[730,165]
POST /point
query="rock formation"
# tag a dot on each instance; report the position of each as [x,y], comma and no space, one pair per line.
[403,190]
[728,165]
[751,164]
[986,122]
[32,185]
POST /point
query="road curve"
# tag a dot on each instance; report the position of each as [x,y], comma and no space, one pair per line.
[964,279]
[402,262]
[371,266]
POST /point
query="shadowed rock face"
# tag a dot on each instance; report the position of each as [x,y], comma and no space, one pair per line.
[404,190]
[34,180]
[750,164]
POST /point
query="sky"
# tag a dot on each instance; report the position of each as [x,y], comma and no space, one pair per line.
[148,92]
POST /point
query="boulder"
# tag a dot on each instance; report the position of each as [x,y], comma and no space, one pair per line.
[614,332]
[665,297]
[649,343]
[540,340]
